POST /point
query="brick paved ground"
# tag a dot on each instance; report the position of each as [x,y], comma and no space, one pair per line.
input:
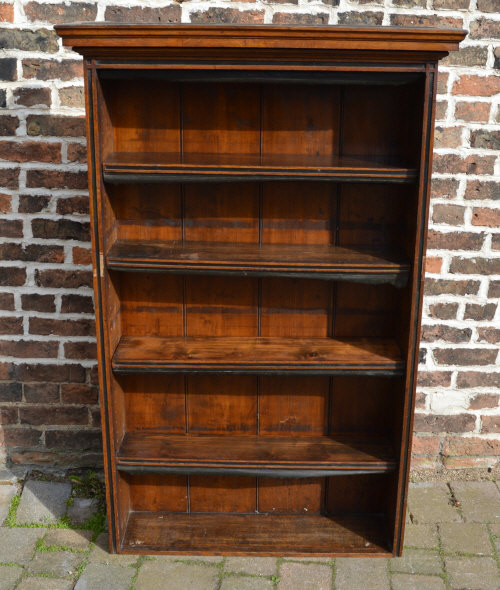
[452,543]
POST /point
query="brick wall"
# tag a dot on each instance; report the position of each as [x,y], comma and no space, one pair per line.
[48,395]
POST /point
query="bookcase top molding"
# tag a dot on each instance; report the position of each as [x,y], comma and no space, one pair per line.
[158,40]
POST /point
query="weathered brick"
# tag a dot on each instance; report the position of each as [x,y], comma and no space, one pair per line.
[40,393]
[80,350]
[286,18]
[443,311]
[62,229]
[494,289]
[458,445]
[8,415]
[12,276]
[449,423]
[434,378]
[6,13]
[447,137]
[8,68]
[50,415]
[465,356]
[410,3]
[476,266]
[227,16]
[484,28]
[72,96]
[477,189]
[73,206]
[48,326]
[467,56]
[490,335]
[55,125]
[469,379]
[56,179]
[29,349]
[78,394]
[20,437]
[477,312]
[11,325]
[451,4]
[444,188]
[30,151]
[455,164]
[361,18]
[481,138]
[446,333]
[476,112]
[32,253]
[495,242]
[11,228]
[82,256]
[76,304]
[37,302]
[486,400]
[8,124]
[451,287]
[449,214]
[430,20]
[441,109]
[33,203]
[30,97]
[487,5]
[477,85]
[77,152]
[426,445]
[29,40]
[63,279]
[490,424]
[82,440]
[454,240]
[3,98]
[138,14]
[11,392]
[60,13]
[49,69]
[7,301]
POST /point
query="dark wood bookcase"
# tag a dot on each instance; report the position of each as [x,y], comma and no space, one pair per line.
[259,200]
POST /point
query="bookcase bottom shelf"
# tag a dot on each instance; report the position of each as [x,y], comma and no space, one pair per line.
[256,534]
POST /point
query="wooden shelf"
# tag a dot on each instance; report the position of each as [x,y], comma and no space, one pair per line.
[311,356]
[306,261]
[122,167]
[263,456]
[255,534]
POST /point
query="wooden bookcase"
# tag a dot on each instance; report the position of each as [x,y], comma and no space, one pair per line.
[259,199]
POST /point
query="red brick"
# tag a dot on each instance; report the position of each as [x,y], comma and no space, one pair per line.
[486,217]
[433,264]
[487,400]
[8,415]
[477,189]
[443,311]
[451,4]
[32,253]
[469,379]
[465,356]
[426,445]
[8,68]
[431,20]
[410,3]
[164,14]
[420,400]
[62,229]
[424,462]
[5,203]
[468,462]
[454,240]
[436,423]
[77,304]
[446,333]
[33,203]
[63,279]
[12,276]
[11,391]
[77,152]
[55,125]
[434,379]
[49,69]
[56,179]
[458,445]
[78,394]
[20,437]
[6,13]
[451,287]
[80,350]
[441,109]
[50,415]
[73,206]
[11,325]
[442,83]
[447,137]
[495,242]
[7,301]
[494,289]
[490,424]
[455,164]
[11,228]
[8,124]
[82,255]
[286,18]
[30,97]
[490,335]
[477,112]
[82,440]
[484,28]
[60,13]
[487,5]
[467,56]
[50,373]
[42,393]
[473,85]
[480,313]
[9,177]
[478,265]
[444,188]
[29,349]
[48,326]
[360,18]
[448,214]
[30,151]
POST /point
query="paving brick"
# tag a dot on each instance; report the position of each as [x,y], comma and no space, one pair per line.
[261,566]
[100,553]
[176,576]
[466,537]
[9,575]
[430,503]
[479,500]
[417,561]
[243,583]
[204,558]
[18,545]
[366,574]
[68,538]
[423,536]
[82,509]
[6,495]
[43,501]
[60,564]
[44,584]
[12,475]
[472,573]
[110,577]
[408,582]
[301,576]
